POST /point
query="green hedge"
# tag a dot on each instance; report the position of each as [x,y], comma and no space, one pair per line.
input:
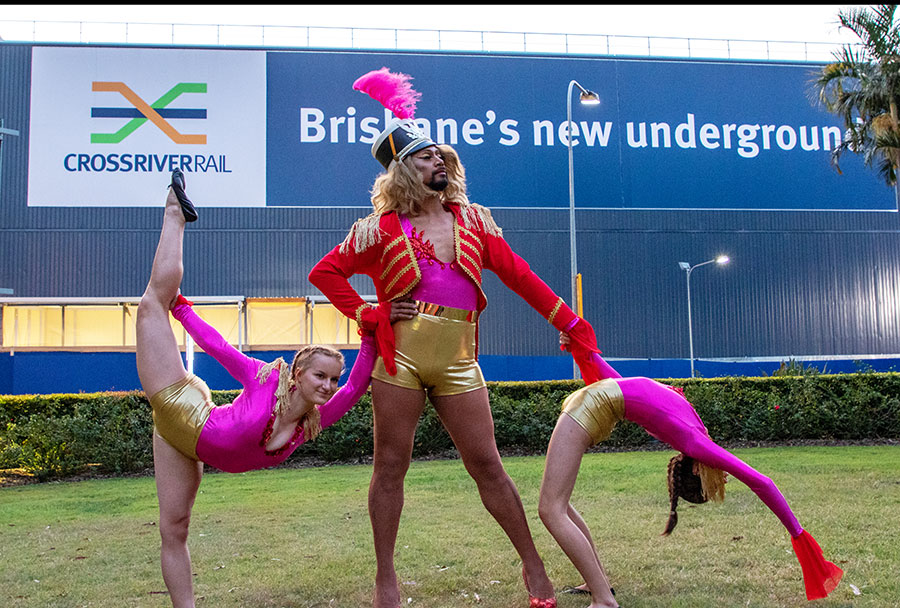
[58,435]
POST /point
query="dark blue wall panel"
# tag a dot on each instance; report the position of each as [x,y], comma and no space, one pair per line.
[801,283]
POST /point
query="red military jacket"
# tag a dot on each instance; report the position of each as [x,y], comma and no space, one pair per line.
[377,246]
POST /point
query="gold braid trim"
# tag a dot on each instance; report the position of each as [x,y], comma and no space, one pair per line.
[468,233]
[400,274]
[466,256]
[408,254]
[364,233]
[394,243]
[712,481]
[284,382]
[555,310]
[359,311]
[474,214]
[397,258]
[471,253]
[460,256]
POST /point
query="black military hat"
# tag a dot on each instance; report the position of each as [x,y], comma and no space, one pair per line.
[400,138]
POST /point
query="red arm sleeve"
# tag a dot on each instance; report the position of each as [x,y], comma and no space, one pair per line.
[330,275]
[516,274]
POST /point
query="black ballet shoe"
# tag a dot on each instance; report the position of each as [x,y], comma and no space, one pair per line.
[579,591]
[187,207]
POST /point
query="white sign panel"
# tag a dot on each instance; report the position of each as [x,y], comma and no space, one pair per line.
[108,126]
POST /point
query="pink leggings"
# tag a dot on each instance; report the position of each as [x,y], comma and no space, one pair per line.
[669,417]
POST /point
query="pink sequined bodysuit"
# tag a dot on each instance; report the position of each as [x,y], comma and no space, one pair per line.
[232,436]
[664,413]
[668,416]
[442,283]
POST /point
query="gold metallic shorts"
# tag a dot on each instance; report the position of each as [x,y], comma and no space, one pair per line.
[597,408]
[435,352]
[179,412]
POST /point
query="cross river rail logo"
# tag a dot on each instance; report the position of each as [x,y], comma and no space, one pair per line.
[157,113]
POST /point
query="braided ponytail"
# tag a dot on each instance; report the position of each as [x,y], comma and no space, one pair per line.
[696,486]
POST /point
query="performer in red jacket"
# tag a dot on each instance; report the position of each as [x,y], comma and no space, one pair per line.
[425,248]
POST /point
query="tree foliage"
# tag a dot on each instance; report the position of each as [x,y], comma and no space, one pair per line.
[862,86]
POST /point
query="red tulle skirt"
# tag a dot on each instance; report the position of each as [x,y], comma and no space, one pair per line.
[819,575]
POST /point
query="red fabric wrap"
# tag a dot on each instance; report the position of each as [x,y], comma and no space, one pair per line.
[583,343]
[384,336]
[182,300]
[820,577]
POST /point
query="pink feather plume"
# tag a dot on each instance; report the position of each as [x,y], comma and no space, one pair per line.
[393,90]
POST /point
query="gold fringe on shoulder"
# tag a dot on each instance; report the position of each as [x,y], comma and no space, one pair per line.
[364,233]
[712,481]
[474,214]
[284,382]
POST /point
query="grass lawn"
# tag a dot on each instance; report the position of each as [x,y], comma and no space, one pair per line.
[301,537]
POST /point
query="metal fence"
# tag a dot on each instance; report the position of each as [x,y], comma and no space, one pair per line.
[411,39]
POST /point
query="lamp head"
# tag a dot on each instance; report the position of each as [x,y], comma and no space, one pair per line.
[722,259]
[684,265]
[590,98]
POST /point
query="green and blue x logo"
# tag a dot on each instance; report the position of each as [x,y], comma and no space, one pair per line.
[155,112]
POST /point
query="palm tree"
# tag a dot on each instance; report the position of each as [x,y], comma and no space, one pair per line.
[862,86]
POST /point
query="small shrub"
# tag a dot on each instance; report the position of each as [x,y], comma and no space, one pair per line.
[46,447]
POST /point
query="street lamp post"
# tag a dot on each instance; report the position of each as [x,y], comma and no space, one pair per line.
[688,269]
[588,98]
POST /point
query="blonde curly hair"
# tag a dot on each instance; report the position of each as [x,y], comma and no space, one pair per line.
[401,188]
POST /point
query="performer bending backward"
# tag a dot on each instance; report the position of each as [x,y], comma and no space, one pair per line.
[280,406]
[589,416]
[425,247]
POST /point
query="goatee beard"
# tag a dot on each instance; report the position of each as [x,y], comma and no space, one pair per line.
[438,184]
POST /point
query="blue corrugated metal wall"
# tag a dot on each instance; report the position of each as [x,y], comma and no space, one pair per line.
[800,283]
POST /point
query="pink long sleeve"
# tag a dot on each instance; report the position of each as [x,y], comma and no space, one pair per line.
[604,369]
[357,383]
[669,417]
[241,367]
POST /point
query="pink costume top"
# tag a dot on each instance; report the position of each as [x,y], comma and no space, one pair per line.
[233,438]
[664,413]
[442,283]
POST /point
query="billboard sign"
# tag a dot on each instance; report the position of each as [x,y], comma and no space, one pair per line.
[284,128]
[108,125]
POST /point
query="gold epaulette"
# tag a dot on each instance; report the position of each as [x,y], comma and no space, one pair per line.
[364,233]
[473,214]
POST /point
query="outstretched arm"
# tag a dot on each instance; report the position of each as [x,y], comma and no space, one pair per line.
[592,366]
[241,367]
[357,383]
[516,274]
